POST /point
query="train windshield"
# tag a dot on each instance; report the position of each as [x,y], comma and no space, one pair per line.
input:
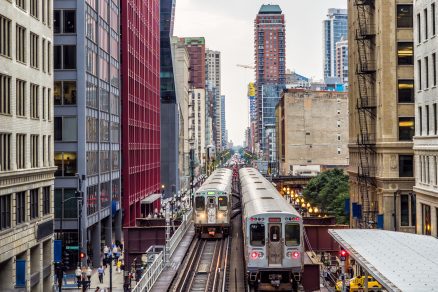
[292,234]
[200,203]
[257,234]
[223,203]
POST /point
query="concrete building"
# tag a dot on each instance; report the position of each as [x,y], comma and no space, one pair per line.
[426,116]
[342,60]
[140,72]
[213,79]
[269,55]
[169,119]
[213,67]
[223,124]
[312,130]
[87,129]
[381,114]
[335,28]
[270,97]
[197,125]
[196,50]
[26,147]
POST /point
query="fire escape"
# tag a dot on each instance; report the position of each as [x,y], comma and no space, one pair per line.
[366,110]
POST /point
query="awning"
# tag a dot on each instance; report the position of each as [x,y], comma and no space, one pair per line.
[151,198]
[399,261]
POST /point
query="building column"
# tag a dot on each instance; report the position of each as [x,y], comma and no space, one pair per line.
[95,244]
[118,225]
[107,225]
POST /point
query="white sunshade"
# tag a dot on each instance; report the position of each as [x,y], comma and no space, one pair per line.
[151,198]
[399,261]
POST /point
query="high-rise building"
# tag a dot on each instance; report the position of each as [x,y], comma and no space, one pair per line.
[381,108]
[213,68]
[426,116]
[270,56]
[213,79]
[140,71]
[342,60]
[197,125]
[335,28]
[169,124]
[196,49]
[87,123]
[26,146]
[223,123]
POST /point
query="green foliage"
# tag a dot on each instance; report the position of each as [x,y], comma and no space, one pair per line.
[328,191]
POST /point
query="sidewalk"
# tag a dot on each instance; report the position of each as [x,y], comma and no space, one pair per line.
[117,281]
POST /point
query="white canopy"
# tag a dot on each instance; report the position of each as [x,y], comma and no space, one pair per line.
[151,198]
[399,261]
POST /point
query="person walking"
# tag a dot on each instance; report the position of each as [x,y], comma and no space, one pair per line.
[101,272]
[78,274]
[89,271]
[119,265]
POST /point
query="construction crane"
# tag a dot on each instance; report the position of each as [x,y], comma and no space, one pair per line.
[245,66]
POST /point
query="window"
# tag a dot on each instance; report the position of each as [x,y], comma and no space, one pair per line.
[419,28]
[5,94]
[34,8]
[64,57]
[34,151]
[420,81]
[34,202]
[5,212]
[20,43]
[426,216]
[92,129]
[105,165]
[92,203]
[66,163]
[44,150]
[56,21]
[21,151]
[435,121]
[64,202]
[222,203]
[434,68]
[49,57]
[257,234]
[426,25]
[46,200]
[43,54]
[65,128]
[44,102]
[69,23]
[274,233]
[34,50]
[20,94]
[292,234]
[20,205]
[426,63]
[427,120]
[5,151]
[406,165]
[92,162]
[64,92]
[43,11]
[433,18]
[405,53]
[404,210]
[34,110]
[5,36]
[406,91]
[200,203]
[21,4]
[404,16]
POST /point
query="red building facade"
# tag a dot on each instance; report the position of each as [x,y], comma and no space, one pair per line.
[140,70]
[196,49]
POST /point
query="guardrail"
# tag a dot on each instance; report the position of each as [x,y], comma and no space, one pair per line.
[155,268]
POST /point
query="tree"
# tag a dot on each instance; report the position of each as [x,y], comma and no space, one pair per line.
[328,191]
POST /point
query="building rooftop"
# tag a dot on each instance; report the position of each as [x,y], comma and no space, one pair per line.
[194,40]
[270,9]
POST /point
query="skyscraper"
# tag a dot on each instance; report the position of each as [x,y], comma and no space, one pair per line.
[140,108]
[270,57]
[223,123]
[26,147]
[335,28]
[213,79]
[87,128]
[342,60]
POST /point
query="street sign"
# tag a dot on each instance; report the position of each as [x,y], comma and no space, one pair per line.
[72,247]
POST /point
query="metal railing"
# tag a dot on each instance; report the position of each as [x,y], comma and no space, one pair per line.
[179,233]
[151,274]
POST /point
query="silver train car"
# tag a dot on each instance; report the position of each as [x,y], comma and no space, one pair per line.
[213,203]
[273,235]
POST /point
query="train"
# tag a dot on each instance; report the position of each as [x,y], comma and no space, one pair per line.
[213,203]
[273,235]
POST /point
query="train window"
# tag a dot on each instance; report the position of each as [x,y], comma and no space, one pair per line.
[292,234]
[257,234]
[223,203]
[274,233]
[200,203]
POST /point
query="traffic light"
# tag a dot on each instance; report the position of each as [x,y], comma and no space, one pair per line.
[343,254]
[82,255]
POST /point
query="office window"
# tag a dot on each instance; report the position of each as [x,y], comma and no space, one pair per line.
[104,130]
[44,150]
[5,94]
[64,57]
[5,36]
[49,57]
[56,21]
[434,69]
[420,80]
[21,151]
[20,206]
[92,162]
[20,43]
[34,154]
[426,220]
[49,11]
[427,120]
[426,65]
[46,200]
[404,210]
[5,212]
[432,15]
[405,53]
[404,16]
[426,25]
[406,91]
[65,129]
[406,165]
[64,198]
[34,110]
[69,21]
[43,54]
[34,8]
[64,92]
[419,28]
[66,163]
[44,102]
[20,95]
[5,151]
[21,4]
[34,202]
[49,104]
[43,11]
[92,129]
[406,128]
[34,50]
[435,120]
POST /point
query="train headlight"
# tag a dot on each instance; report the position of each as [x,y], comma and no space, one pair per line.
[220,216]
[295,254]
[254,255]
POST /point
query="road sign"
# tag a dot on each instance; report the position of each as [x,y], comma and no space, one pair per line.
[72,247]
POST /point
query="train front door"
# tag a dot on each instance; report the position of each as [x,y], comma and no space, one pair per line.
[275,248]
[211,210]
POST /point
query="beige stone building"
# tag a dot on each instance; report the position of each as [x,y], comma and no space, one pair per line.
[26,146]
[312,130]
[381,114]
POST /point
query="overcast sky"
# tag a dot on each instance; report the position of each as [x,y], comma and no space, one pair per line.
[228,26]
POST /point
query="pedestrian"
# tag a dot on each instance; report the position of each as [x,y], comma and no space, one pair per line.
[97,289]
[115,253]
[119,265]
[105,250]
[78,273]
[89,271]
[101,272]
